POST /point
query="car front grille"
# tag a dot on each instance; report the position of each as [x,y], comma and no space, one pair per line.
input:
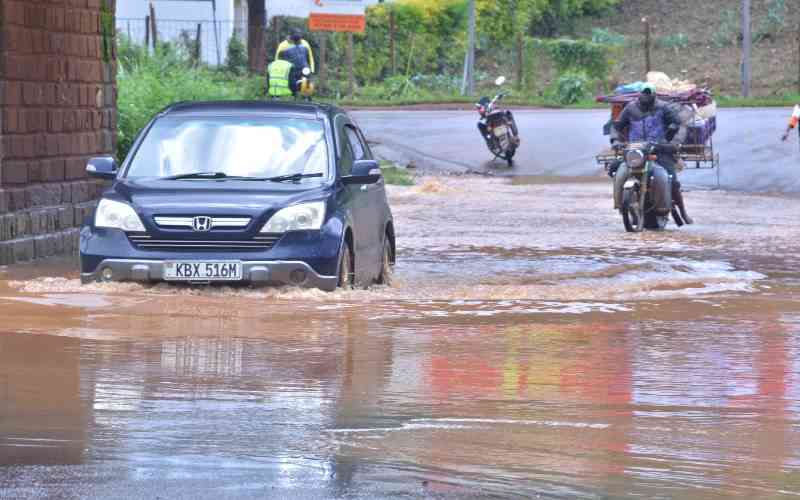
[259,243]
[214,222]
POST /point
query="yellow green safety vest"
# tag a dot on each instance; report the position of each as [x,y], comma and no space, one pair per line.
[279,78]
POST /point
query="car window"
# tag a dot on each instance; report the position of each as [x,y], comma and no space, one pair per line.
[237,146]
[359,152]
[346,157]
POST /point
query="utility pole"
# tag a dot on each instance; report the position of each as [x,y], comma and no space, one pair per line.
[468,86]
[747,42]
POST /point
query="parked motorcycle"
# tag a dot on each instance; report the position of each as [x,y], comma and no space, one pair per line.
[305,87]
[498,127]
[647,192]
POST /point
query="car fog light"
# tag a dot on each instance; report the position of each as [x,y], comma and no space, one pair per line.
[107,274]
[297,276]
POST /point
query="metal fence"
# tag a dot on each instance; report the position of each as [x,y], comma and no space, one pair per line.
[213,39]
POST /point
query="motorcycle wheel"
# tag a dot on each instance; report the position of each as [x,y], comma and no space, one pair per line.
[509,156]
[630,212]
[652,220]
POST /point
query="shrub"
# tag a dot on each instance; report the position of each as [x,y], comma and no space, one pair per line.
[236,60]
[572,87]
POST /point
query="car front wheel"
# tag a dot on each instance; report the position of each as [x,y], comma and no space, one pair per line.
[387,265]
[346,272]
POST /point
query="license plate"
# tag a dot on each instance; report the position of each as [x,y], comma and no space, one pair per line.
[203,271]
[500,131]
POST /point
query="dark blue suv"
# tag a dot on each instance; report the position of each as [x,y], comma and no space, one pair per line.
[249,192]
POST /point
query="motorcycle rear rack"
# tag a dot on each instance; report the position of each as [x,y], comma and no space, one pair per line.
[693,157]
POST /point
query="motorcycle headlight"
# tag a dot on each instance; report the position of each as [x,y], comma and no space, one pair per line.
[303,217]
[117,215]
[634,158]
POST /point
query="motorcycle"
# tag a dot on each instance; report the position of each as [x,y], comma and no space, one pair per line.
[647,192]
[305,87]
[498,127]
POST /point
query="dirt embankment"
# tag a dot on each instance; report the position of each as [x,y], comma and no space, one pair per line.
[701,41]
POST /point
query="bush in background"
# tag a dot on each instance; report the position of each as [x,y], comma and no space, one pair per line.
[147,83]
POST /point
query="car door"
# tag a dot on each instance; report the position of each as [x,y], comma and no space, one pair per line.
[373,194]
[355,200]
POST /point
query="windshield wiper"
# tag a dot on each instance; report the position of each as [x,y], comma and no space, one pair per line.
[198,175]
[292,177]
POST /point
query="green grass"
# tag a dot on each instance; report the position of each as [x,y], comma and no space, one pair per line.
[396,176]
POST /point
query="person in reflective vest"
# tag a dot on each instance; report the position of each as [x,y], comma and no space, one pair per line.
[279,72]
[793,122]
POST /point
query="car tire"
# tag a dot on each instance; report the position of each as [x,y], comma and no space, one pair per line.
[387,265]
[346,271]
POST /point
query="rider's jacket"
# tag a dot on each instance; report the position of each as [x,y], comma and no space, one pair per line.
[279,72]
[300,55]
[650,125]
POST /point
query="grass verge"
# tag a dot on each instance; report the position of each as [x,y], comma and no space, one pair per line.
[395,176]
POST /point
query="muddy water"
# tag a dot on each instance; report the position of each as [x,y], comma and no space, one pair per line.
[527,347]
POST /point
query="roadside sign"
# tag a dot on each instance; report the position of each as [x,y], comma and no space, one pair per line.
[337,15]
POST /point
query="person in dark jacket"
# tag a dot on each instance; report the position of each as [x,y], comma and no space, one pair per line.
[648,119]
[297,51]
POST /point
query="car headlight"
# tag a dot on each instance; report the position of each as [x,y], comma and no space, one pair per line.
[634,158]
[303,217]
[117,215]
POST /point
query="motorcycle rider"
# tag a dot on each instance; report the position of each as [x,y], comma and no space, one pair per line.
[649,119]
[297,51]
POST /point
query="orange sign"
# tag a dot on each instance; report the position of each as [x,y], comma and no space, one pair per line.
[337,22]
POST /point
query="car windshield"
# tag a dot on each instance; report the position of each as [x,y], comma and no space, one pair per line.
[260,147]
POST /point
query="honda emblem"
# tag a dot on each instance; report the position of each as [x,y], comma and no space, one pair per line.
[201,224]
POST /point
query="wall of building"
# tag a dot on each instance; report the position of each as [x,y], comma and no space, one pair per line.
[57,109]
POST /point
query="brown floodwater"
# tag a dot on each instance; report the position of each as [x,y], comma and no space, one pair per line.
[528,347]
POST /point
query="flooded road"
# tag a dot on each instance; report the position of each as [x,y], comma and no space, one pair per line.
[528,347]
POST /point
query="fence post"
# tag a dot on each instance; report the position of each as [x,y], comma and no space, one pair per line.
[154,29]
[351,78]
[323,60]
[747,42]
[147,33]
[647,61]
[197,43]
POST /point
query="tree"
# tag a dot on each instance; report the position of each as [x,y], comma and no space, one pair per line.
[256,36]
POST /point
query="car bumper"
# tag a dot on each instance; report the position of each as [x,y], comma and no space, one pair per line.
[277,273]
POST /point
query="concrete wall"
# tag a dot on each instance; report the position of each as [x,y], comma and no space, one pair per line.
[57,109]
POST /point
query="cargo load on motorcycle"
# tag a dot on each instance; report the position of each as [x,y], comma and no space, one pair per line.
[696,108]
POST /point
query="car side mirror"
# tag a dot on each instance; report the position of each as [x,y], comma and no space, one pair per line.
[102,167]
[364,172]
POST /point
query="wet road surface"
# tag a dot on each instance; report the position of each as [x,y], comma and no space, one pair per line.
[564,143]
[528,347]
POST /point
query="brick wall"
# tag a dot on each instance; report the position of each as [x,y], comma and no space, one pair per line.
[57,109]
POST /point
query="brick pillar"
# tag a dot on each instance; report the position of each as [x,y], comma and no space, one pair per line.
[57,109]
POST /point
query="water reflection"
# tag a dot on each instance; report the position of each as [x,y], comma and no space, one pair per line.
[448,406]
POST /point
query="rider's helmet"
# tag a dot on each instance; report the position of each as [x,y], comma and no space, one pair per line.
[296,35]
[647,97]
